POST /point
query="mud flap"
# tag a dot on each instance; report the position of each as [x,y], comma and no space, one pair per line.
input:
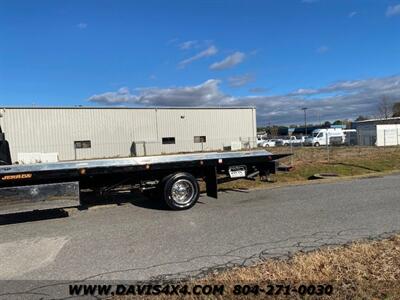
[38,197]
[5,156]
[211,182]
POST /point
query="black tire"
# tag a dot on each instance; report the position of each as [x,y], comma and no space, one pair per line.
[180,191]
[316,144]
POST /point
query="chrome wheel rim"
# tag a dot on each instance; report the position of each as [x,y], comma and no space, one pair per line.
[182,191]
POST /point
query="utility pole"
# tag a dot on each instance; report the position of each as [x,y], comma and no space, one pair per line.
[305,119]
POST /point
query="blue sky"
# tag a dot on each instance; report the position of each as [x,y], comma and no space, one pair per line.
[335,57]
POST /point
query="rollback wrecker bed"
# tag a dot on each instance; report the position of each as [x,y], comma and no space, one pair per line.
[173,178]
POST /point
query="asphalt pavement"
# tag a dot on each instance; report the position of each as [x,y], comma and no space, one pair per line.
[139,240]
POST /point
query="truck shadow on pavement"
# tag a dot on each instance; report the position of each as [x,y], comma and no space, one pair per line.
[121,198]
[138,199]
[89,201]
[32,216]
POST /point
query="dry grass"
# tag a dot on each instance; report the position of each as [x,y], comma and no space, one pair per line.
[344,161]
[362,270]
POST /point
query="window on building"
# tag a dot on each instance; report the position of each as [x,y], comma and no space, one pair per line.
[200,139]
[82,144]
[168,140]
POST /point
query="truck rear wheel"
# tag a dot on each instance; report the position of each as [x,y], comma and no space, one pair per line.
[180,191]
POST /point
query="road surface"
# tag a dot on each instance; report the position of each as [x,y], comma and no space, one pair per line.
[140,241]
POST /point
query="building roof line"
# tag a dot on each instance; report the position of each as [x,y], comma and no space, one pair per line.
[375,120]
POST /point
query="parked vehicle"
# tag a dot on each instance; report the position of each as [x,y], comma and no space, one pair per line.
[173,178]
[292,140]
[260,140]
[304,138]
[328,136]
[278,142]
[268,143]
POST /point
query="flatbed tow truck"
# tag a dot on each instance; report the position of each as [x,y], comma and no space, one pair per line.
[173,178]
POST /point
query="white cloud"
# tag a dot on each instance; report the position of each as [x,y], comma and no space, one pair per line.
[339,100]
[122,96]
[229,61]
[187,45]
[241,80]
[82,25]
[207,93]
[322,49]
[353,14]
[393,10]
[210,51]
[302,92]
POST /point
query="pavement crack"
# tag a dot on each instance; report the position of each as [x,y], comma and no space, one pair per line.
[278,249]
[288,247]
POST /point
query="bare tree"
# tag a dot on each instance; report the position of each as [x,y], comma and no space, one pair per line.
[361,118]
[274,131]
[385,108]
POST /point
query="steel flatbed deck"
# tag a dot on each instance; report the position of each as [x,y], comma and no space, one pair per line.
[173,177]
[139,161]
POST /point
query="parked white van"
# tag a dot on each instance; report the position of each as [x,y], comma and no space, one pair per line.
[323,136]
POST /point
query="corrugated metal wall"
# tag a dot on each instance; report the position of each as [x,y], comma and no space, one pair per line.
[120,132]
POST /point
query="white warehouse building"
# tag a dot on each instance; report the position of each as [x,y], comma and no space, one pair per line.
[72,133]
[379,132]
